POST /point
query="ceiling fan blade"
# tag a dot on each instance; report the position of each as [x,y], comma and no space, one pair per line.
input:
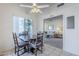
[43,6]
[26,6]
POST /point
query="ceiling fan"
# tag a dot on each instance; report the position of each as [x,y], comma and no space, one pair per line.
[35,8]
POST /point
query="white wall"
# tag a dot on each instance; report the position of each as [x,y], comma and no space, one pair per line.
[7,11]
[71,36]
[35,23]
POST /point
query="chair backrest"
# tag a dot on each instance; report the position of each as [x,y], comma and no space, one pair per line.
[15,39]
[40,38]
[39,35]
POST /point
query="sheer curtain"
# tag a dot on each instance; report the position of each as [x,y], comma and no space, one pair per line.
[22,25]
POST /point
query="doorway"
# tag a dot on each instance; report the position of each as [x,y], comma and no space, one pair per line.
[53,29]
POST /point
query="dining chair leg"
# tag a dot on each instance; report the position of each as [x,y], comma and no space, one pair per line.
[41,49]
[35,51]
[25,49]
[15,50]
[28,48]
[18,53]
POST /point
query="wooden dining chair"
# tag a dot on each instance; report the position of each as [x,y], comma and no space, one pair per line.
[19,46]
[39,43]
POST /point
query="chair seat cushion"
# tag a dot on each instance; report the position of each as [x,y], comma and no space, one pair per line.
[35,45]
[22,44]
[32,45]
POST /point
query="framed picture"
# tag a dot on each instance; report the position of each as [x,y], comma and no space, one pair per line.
[70,22]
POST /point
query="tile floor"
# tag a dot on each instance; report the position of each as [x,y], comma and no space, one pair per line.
[55,42]
[47,51]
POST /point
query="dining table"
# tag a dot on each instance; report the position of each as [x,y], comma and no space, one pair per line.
[31,40]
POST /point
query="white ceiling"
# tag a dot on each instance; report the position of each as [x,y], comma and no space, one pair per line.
[38,3]
[28,9]
[50,4]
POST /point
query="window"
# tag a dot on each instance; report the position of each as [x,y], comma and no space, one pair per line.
[21,25]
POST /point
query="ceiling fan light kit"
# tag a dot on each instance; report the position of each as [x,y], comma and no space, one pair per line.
[35,8]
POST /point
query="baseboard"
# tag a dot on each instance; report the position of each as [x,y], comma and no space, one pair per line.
[66,53]
[4,51]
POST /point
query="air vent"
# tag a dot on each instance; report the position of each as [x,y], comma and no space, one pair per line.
[61,4]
